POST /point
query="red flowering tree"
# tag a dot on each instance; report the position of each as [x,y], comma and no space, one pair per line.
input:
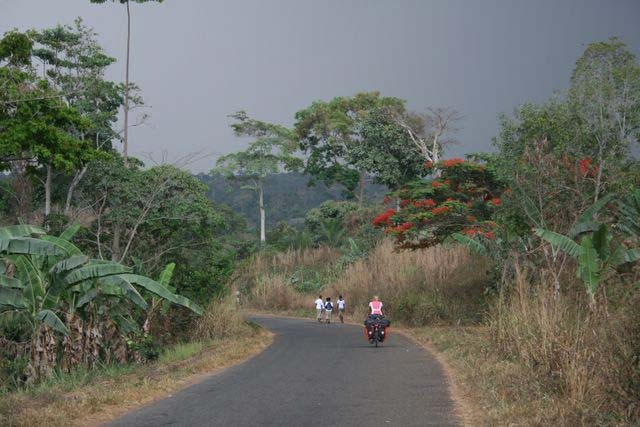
[462,199]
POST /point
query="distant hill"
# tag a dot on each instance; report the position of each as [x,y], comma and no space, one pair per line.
[287,196]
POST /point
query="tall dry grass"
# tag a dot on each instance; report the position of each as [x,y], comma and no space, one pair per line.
[436,285]
[583,364]
[221,319]
[442,284]
[266,280]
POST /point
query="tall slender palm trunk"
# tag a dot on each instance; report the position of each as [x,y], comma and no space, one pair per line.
[263,235]
[125,140]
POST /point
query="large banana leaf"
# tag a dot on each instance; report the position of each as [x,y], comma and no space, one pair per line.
[29,246]
[588,214]
[68,247]
[167,274]
[629,209]
[560,241]
[29,275]
[583,227]
[589,265]
[601,241]
[10,282]
[156,288]
[87,297]
[69,264]
[623,255]
[473,244]
[94,271]
[12,298]
[118,285]
[49,317]
[19,231]
[70,231]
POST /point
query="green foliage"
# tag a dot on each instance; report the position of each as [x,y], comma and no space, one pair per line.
[385,151]
[319,217]
[329,131]
[146,346]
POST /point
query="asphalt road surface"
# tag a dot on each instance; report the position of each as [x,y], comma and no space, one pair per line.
[313,375]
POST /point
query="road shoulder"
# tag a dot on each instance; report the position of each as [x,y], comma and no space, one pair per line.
[112,395]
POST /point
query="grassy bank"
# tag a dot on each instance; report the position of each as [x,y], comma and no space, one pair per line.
[441,285]
[89,397]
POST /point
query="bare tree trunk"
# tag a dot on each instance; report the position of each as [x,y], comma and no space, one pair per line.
[74,183]
[115,244]
[263,235]
[125,140]
[47,192]
[361,185]
[398,207]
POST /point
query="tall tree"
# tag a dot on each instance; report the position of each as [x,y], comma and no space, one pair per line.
[430,132]
[126,75]
[39,131]
[605,95]
[329,131]
[271,151]
[74,63]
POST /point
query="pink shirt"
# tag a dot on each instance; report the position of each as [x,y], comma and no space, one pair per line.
[376,307]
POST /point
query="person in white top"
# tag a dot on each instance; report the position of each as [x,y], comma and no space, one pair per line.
[328,308]
[319,307]
[341,306]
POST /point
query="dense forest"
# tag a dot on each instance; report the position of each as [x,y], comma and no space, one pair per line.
[288,199]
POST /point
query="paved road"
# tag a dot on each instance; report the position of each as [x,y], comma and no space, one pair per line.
[313,375]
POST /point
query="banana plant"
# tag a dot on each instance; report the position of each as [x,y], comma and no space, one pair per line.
[597,254]
[629,218]
[43,278]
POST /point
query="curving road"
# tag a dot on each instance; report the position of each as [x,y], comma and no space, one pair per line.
[313,375]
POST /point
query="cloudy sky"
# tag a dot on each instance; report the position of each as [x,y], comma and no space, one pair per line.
[199,60]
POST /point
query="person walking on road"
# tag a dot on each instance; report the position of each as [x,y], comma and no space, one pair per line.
[341,306]
[328,308]
[319,308]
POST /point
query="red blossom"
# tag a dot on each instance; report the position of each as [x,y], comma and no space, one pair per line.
[402,227]
[404,203]
[584,165]
[435,184]
[383,219]
[428,164]
[496,201]
[451,162]
[489,234]
[426,203]
[440,210]
[470,231]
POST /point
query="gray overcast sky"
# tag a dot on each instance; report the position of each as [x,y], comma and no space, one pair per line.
[199,60]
